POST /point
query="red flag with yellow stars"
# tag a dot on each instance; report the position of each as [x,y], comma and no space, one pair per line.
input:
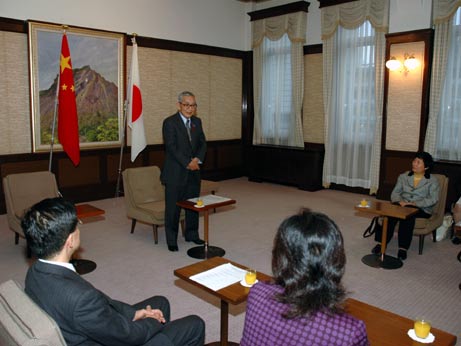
[67,111]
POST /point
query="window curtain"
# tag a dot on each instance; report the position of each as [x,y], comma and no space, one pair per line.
[444,128]
[270,129]
[349,159]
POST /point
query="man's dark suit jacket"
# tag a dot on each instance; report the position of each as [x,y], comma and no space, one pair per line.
[180,151]
[85,315]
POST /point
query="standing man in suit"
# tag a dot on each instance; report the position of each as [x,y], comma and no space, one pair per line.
[185,148]
[85,315]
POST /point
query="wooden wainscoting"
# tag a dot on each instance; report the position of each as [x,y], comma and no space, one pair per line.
[96,176]
[298,167]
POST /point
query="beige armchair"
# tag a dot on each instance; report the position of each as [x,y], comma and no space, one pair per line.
[145,197]
[22,322]
[23,190]
[425,226]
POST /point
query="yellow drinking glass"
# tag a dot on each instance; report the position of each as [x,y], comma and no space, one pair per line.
[250,276]
[422,328]
[199,202]
[363,202]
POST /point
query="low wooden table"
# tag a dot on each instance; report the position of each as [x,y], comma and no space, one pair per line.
[385,209]
[234,294]
[385,328]
[87,210]
[84,266]
[205,251]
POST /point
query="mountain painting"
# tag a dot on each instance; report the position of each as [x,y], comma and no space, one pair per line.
[98,77]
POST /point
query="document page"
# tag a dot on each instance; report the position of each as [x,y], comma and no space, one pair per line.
[220,276]
[210,199]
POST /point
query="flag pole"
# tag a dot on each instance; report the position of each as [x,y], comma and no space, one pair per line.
[119,172]
[56,102]
[125,122]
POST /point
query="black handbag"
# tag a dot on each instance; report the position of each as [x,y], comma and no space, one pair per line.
[375,224]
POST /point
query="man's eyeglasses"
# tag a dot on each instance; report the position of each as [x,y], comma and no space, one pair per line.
[186,105]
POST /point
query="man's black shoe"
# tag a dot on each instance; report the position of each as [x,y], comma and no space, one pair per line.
[173,248]
[402,254]
[376,250]
[197,241]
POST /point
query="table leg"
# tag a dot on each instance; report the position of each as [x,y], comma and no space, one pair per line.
[384,238]
[224,327]
[206,215]
[382,260]
[224,322]
[206,251]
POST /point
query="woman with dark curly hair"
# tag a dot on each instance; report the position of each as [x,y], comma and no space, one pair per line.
[303,304]
[415,189]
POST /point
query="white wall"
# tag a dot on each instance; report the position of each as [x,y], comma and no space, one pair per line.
[220,23]
[409,15]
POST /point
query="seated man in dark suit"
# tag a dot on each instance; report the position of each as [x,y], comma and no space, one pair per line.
[85,315]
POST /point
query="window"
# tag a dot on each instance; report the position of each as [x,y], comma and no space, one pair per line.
[276,91]
[352,114]
[448,143]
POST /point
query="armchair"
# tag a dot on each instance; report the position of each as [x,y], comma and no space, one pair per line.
[145,197]
[22,322]
[23,190]
[425,226]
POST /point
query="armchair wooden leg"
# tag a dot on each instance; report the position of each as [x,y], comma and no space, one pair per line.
[421,243]
[133,223]
[16,238]
[183,228]
[155,233]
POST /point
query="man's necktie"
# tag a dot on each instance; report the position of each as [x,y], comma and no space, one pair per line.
[188,129]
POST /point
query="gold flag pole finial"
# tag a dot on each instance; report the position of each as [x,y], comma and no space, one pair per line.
[65,28]
[133,37]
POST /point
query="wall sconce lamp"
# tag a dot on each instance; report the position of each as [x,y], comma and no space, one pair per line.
[409,63]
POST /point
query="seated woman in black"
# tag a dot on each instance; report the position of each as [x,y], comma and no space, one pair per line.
[416,189]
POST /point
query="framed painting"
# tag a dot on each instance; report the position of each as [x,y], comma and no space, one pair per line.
[98,64]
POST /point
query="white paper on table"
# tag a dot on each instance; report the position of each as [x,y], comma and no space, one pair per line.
[210,199]
[220,276]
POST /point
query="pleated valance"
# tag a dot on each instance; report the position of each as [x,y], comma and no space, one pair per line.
[353,14]
[443,10]
[293,24]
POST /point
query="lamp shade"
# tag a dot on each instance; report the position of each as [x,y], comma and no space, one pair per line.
[411,63]
[393,64]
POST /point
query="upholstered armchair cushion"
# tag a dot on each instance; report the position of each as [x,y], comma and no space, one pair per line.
[426,226]
[156,208]
[24,323]
[22,190]
[144,184]
[28,188]
[145,197]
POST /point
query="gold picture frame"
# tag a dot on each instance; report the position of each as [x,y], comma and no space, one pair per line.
[98,62]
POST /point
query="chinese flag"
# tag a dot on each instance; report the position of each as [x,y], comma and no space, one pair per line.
[67,111]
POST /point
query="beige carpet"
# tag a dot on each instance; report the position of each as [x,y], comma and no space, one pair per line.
[131,267]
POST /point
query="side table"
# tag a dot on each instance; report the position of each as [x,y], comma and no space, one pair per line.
[84,266]
[206,250]
[385,209]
